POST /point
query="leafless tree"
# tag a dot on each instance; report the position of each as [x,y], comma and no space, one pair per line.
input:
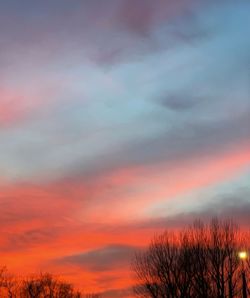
[164,270]
[47,286]
[200,261]
[31,288]
[9,285]
[35,286]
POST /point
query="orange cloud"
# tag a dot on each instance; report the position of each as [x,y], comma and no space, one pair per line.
[43,223]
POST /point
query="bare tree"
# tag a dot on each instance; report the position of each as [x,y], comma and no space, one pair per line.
[164,270]
[201,261]
[32,288]
[9,285]
[47,286]
[44,285]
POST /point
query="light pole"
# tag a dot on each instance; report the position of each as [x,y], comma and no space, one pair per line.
[243,256]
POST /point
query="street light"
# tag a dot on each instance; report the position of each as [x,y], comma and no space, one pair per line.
[243,255]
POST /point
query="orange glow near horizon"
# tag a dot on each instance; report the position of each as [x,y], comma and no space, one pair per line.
[41,239]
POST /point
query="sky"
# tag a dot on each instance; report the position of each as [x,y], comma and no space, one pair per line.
[118,119]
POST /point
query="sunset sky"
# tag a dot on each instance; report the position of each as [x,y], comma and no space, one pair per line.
[118,119]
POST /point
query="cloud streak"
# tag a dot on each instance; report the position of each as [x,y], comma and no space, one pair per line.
[103,259]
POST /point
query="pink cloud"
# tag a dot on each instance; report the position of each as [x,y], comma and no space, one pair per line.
[132,191]
[19,103]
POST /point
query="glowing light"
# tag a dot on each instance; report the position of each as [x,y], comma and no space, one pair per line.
[242,255]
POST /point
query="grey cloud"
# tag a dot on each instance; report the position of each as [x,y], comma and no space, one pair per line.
[108,32]
[190,139]
[191,135]
[179,102]
[234,206]
[104,259]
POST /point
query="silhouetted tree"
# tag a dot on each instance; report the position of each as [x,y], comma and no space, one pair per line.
[9,286]
[36,286]
[201,261]
[47,286]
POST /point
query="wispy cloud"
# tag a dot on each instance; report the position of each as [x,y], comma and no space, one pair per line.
[104,259]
